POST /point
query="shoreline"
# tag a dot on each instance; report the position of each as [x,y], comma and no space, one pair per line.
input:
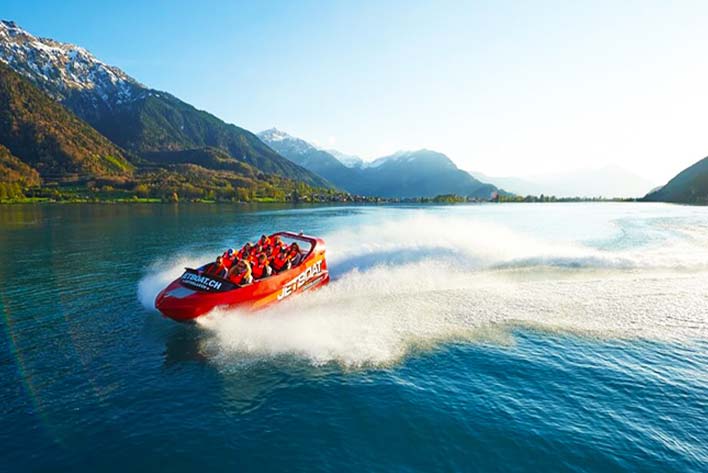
[142,201]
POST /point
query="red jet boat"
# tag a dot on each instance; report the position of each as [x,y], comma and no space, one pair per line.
[195,294]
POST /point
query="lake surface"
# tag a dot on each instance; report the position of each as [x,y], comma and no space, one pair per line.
[516,337]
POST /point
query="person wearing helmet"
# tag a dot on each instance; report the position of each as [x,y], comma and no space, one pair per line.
[229,257]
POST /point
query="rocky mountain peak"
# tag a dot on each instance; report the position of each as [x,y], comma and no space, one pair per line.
[274,137]
[273,134]
[62,69]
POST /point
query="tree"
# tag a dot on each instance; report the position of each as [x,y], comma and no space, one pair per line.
[142,190]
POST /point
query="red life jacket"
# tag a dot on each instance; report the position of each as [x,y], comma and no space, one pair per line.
[237,278]
[259,270]
[280,261]
[295,257]
[216,269]
[227,260]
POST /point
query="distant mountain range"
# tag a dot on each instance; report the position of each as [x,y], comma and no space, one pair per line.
[68,119]
[304,154]
[348,160]
[91,120]
[406,174]
[607,182]
[689,186]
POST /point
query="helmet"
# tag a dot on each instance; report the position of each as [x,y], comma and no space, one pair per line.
[230,251]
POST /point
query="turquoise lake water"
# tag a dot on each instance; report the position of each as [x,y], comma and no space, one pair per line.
[515,337]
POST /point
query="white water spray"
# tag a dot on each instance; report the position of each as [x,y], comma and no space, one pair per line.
[417,282]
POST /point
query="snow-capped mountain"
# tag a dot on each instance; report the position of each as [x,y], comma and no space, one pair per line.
[420,158]
[42,139]
[307,155]
[349,160]
[142,121]
[421,173]
[295,146]
[66,72]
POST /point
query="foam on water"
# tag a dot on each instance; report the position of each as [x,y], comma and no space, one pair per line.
[162,272]
[413,283]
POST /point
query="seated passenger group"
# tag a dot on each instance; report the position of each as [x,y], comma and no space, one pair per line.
[252,262]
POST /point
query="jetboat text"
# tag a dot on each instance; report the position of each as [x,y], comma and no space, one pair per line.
[202,282]
[302,278]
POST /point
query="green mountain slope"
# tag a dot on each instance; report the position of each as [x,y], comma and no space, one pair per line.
[134,117]
[157,122]
[13,170]
[209,158]
[50,139]
[689,186]
[15,176]
[41,143]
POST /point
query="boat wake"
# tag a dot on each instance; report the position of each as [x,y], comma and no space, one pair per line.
[393,294]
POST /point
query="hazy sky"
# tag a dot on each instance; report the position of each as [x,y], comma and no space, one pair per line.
[506,88]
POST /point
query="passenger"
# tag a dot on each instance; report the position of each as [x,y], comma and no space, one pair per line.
[277,244]
[262,269]
[264,241]
[269,255]
[217,268]
[240,273]
[254,252]
[228,258]
[281,261]
[294,254]
[244,251]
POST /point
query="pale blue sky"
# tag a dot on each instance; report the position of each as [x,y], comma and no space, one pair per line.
[502,87]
